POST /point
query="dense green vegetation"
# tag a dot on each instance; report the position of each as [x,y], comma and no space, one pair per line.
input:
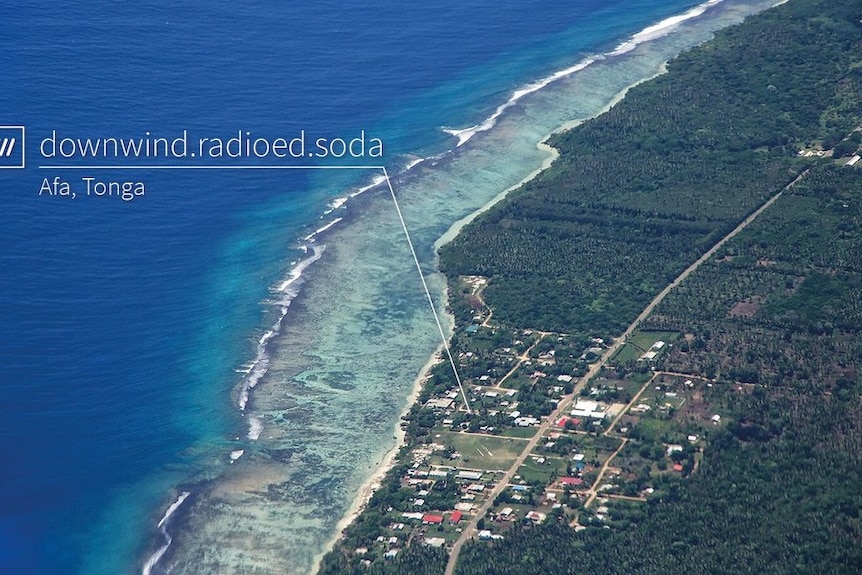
[774,319]
[782,304]
[415,560]
[778,494]
[639,192]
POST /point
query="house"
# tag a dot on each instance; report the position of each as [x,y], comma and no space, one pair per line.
[677,467]
[442,403]
[470,475]
[536,517]
[455,518]
[431,519]
[587,405]
[588,408]
[484,534]
[435,542]
[571,481]
[391,554]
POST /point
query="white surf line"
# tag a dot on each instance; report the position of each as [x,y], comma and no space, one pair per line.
[427,291]
[307,167]
[154,559]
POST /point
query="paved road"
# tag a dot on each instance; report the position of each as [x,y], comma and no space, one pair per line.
[470,529]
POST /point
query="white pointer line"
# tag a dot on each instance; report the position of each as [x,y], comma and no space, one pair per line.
[427,291]
[265,167]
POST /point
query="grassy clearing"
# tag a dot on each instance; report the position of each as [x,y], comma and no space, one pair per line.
[542,472]
[640,342]
[520,432]
[483,452]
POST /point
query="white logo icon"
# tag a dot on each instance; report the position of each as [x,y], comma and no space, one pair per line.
[11,147]
[7,146]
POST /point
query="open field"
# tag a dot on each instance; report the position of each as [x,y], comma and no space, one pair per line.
[482,451]
[640,342]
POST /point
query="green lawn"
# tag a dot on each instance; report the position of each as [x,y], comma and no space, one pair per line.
[519,377]
[533,471]
[483,452]
[642,341]
[652,429]
[520,432]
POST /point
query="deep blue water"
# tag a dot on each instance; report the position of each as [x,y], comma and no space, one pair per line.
[121,324]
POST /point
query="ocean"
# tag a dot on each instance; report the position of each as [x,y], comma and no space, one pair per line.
[203,379]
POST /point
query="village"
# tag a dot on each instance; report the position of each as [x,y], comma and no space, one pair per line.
[550,431]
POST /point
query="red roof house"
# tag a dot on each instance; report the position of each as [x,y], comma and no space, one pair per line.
[564,420]
[571,481]
[432,519]
[455,517]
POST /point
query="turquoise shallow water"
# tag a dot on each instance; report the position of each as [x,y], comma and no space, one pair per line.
[339,367]
[131,333]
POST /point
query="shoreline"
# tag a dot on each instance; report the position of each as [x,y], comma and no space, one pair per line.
[552,155]
[372,484]
[388,461]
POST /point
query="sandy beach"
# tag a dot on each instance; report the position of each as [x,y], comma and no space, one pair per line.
[327,385]
[388,462]
[373,483]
